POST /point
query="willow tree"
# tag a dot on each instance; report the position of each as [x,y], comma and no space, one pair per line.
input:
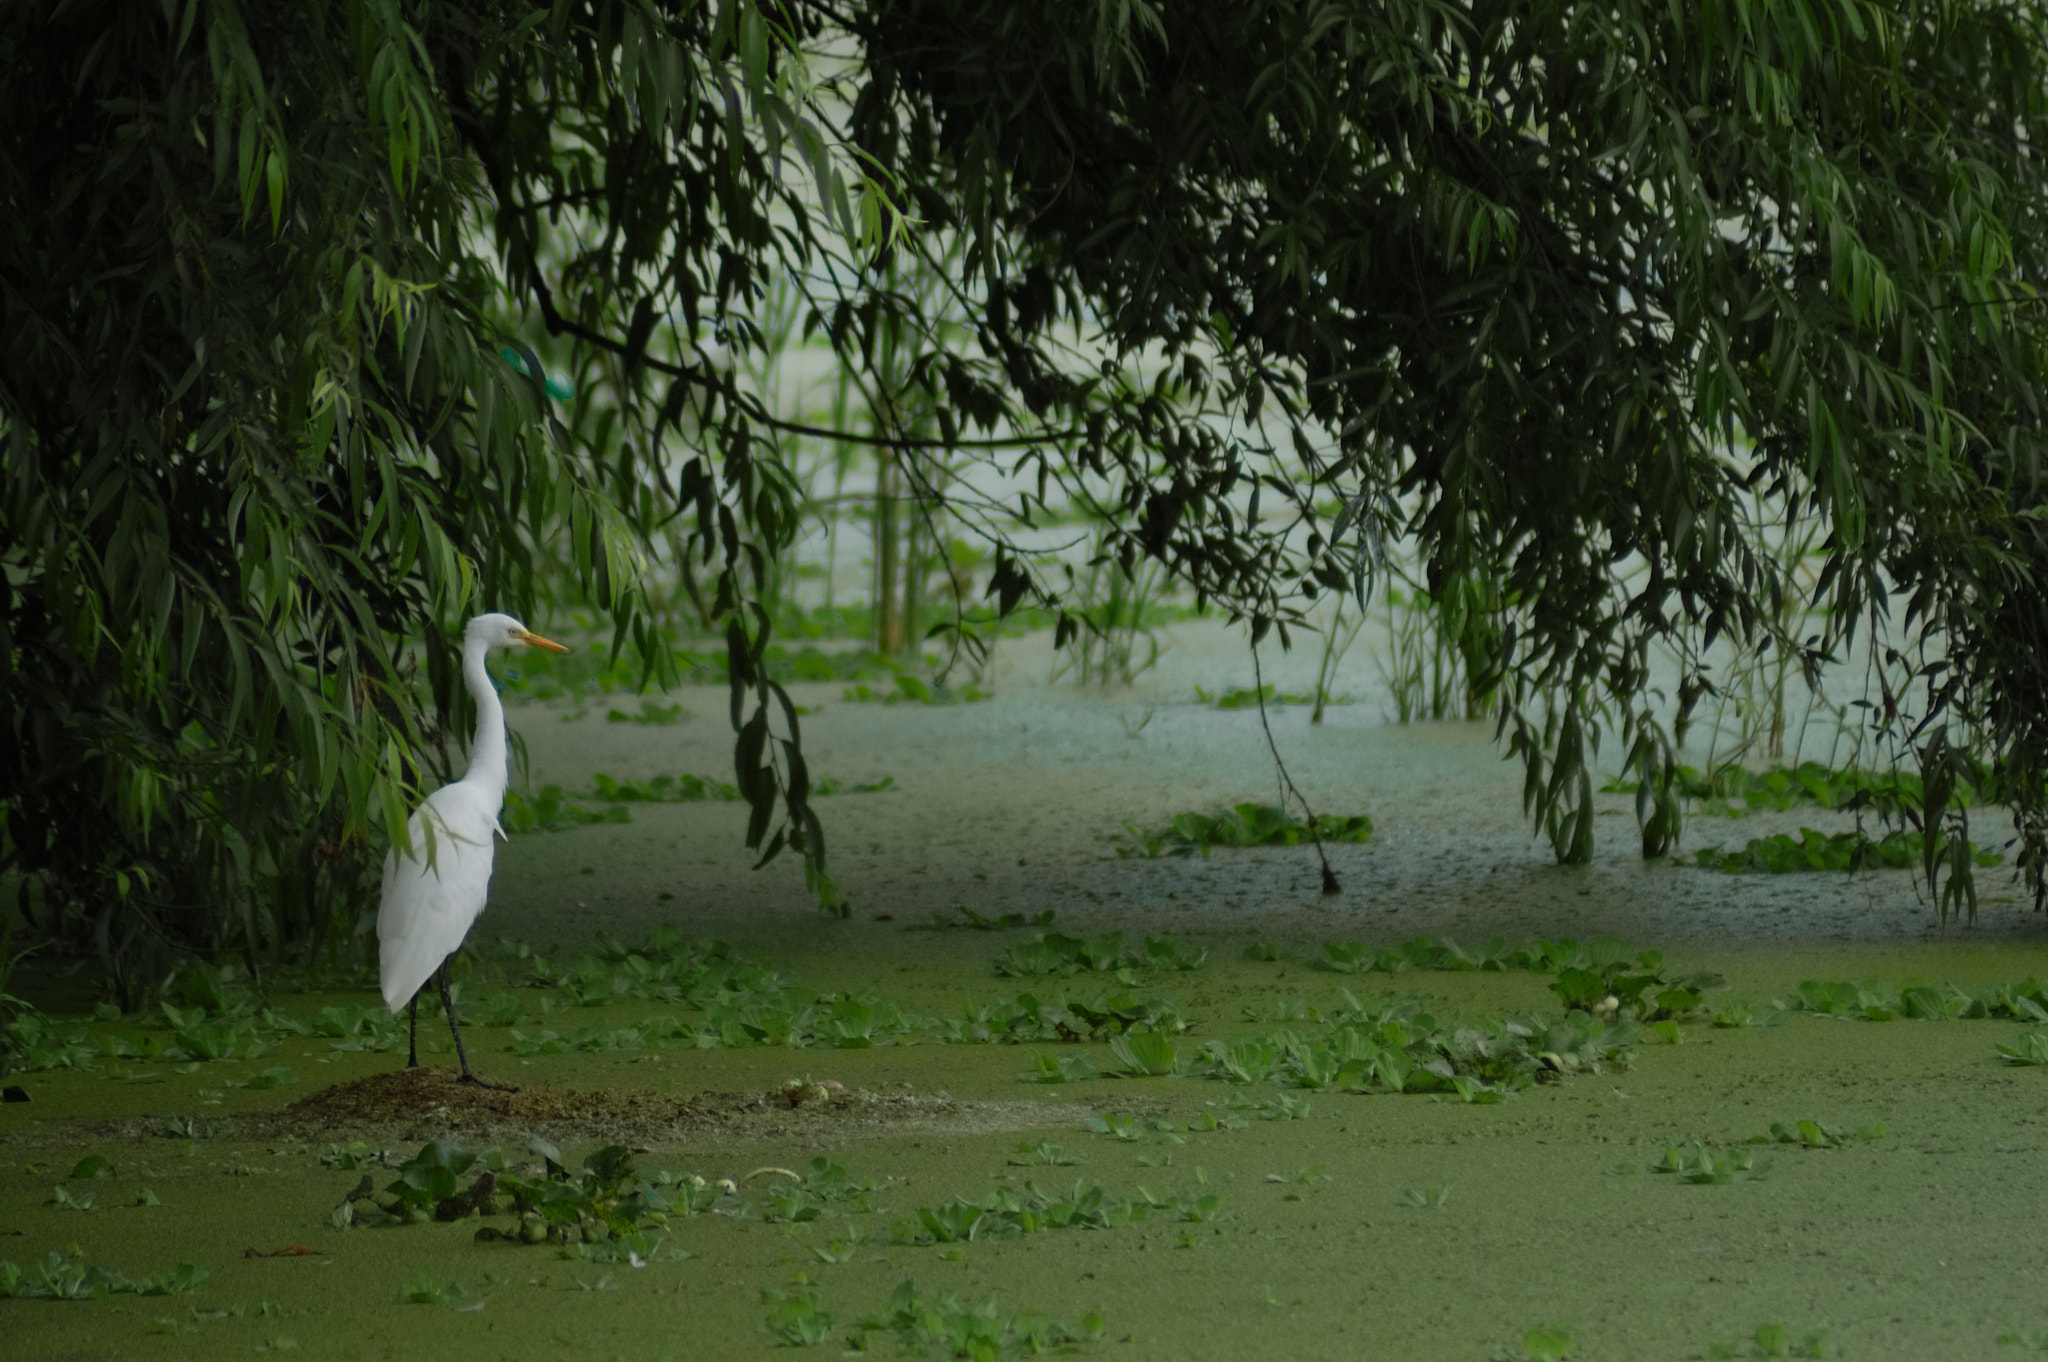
[1545,286]
[271,428]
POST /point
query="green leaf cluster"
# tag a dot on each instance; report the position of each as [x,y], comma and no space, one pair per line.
[1732,791]
[1705,1165]
[1057,953]
[1816,1135]
[1871,1000]
[945,1325]
[1025,1017]
[64,1275]
[1401,1047]
[1244,825]
[1031,1209]
[1846,852]
[602,1207]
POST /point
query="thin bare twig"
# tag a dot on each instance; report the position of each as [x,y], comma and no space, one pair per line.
[1330,885]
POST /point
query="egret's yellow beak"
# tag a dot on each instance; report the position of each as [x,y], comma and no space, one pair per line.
[528,636]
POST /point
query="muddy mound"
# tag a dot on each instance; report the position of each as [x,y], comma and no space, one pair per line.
[433,1100]
[420,1104]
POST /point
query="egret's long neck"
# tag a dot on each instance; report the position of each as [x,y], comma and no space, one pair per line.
[487,748]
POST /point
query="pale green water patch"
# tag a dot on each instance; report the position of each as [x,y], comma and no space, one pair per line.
[1921,1243]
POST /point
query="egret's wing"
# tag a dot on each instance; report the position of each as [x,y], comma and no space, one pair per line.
[432,895]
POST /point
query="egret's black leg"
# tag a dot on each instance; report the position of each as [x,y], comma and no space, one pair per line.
[448,1006]
[412,1054]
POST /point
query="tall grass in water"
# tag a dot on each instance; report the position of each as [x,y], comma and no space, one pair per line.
[1425,661]
[1117,641]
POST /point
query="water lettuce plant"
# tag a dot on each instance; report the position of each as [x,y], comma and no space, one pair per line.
[651,712]
[1243,825]
[1250,697]
[1144,1054]
[2026,1000]
[1058,953]
[552,809]
[1235,697]
[1703,1164]
[1077,1067]
[687,789]
[34,1043]
[1031,1209]
[947,1326]
[64,1275]
[1774,1340]
[1730,791]
[1026,1018]
[1550,1343]
[1045,1152]
[1610,985]
[795,1318]
[915,690]
[1402,1047]
[968,918]
[602,1201]
[1816,1135]
[206,1014]
[1849,852]
[1601,955]
[2028,1048]
[1103,952]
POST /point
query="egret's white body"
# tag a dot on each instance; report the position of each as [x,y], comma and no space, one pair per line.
[428,908]
[435,891]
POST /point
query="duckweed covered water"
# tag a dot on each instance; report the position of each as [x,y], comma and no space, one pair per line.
[1180,1215]
[1922,1242]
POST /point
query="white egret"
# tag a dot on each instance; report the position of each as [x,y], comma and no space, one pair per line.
[436,890]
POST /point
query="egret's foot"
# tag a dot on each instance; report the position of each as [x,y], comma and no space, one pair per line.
[476,1082]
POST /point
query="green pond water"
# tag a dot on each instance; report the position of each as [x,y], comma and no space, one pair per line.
[1925,1242]
[1325,1225]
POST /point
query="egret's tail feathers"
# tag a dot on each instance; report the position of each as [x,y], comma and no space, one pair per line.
[402,973]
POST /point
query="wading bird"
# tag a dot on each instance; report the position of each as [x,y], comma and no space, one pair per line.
[436,889]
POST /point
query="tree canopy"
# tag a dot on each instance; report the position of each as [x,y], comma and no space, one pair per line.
[1545,288]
